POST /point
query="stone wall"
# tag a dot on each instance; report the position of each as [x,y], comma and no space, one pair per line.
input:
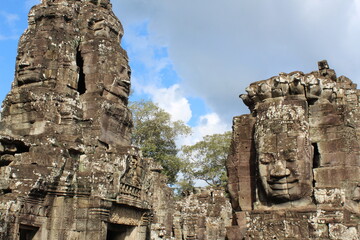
[294,166]
[201,215]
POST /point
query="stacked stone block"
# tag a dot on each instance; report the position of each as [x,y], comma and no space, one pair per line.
[202,215]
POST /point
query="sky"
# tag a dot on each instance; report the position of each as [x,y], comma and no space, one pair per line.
[194,57]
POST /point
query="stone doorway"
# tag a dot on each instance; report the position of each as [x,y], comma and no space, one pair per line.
[121,232]
[28,232]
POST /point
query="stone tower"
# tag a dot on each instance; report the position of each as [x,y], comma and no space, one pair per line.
[294,166]
[67,169]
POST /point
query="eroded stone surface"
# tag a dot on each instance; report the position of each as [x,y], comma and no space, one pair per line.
[202,215]
[67,169]
[294,162]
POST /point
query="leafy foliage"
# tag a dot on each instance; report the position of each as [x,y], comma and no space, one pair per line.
[205,160]
[155,133]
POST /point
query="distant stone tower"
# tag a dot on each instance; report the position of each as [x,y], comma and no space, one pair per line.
[294,166]
[67,170]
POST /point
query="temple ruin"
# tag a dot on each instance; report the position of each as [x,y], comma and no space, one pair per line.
[67,168]
[294,165]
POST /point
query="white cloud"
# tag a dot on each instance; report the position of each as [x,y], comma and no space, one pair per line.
[218,48]
[148,79]
[143,52]
[172,101]
[208,124]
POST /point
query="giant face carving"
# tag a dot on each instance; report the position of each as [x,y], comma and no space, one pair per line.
[284,152]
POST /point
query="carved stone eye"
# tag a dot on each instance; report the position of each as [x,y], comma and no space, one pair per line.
[289,156]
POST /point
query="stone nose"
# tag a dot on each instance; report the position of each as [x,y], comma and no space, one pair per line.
[279,170]
[24,61]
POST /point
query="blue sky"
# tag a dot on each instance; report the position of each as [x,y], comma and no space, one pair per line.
[13,21]
[194,57]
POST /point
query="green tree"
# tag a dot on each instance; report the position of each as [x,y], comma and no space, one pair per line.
[205,159]
[155,133]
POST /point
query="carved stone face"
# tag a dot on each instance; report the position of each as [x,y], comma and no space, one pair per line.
[284,153]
